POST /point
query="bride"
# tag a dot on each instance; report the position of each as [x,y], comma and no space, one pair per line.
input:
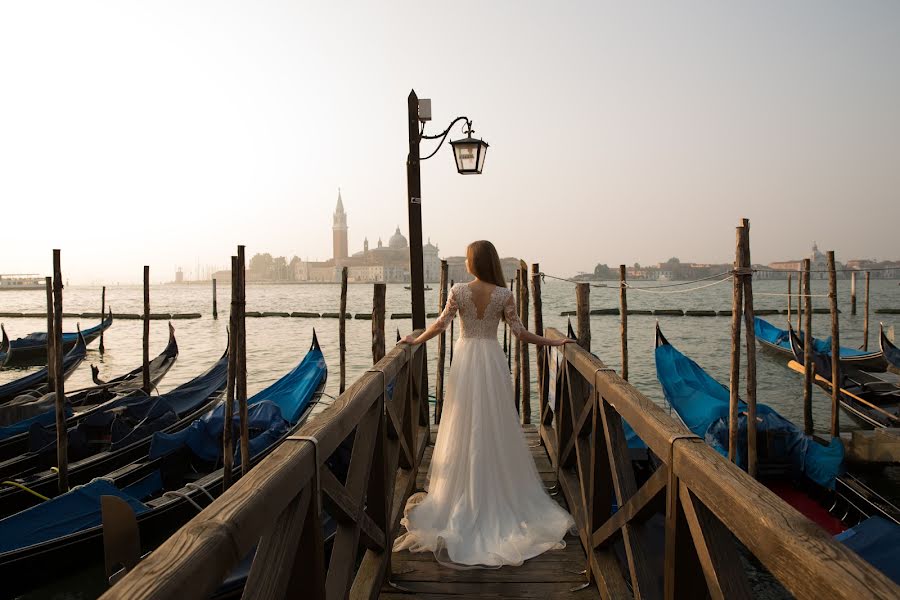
[485,505]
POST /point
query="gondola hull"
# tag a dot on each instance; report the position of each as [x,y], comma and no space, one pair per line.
[32,349]
[777,341]
[37,382]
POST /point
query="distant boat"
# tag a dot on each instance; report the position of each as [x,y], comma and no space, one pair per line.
[409,287]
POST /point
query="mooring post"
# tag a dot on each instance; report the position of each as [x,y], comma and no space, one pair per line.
[799,300]
[62,436]
[378,309]
[790,296]
[751,351]
[517,366]
[342,331]
[51,344]
[526,353]
[509,351]
[583,314]
[866,319]
[734,382]
[809,366]
[442,349]
[539,330]
[451,332]
[835,347]
[102,315]
[623,319]
[228,427]
[145,369]
[215,301]
[240,383]
[853,292]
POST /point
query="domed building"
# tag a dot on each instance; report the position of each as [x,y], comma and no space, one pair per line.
[389,264]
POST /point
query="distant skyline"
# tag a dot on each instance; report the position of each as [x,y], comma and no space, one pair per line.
[167,133]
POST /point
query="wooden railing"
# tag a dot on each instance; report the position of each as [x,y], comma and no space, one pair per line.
[276,506]
[711,507]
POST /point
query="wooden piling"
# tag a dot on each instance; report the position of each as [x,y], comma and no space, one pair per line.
[51,345]
[747,278]
[790,296]
[240,382]
[509,352]
[540,353]
[102,314]
[227,442]
[853,292]
[526,358]
[442,349]
[62,435]
[517,367]
[809,374]
[623,316]
[215,301]
[378,314]
[451,331]
[342,332]
[866,318]
[835,347]
[734,382]
[145,368]
[799,300]
[583,315]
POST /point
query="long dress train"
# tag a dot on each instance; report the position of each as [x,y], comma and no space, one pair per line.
[486,505]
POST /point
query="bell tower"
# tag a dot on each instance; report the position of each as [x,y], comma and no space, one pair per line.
[339,231]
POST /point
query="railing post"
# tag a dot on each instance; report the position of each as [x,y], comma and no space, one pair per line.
[835,347]
[442,349]
[451,333]
[540,353]
[583,314]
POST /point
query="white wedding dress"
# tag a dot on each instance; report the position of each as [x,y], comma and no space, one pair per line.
[486,505]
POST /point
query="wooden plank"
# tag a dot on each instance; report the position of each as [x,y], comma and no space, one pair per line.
[641,505]
[341,505]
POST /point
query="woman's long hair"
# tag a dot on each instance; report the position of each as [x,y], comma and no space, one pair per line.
[484,262]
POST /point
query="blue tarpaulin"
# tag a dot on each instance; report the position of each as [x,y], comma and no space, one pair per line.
[780,337]
[877,541]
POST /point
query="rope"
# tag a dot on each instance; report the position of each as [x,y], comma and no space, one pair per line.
[826,270]
[315,442]
[25,488]
[193,486]
[175,494]
[597,285]
[782,295]
[694,289]
[716,276]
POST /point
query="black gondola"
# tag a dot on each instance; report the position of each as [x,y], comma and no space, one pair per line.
[165,491]
[35,384]
[17,418]
[4,345]
[871,399]
[890,351]
[778,341]
[32,349]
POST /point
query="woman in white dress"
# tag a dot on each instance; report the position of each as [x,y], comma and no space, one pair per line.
[486,505]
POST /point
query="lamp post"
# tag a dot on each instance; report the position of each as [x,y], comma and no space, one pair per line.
[469,154]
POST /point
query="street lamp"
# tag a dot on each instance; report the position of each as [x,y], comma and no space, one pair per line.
[469,154]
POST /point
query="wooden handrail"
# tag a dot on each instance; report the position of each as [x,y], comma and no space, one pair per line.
[703,489]
[196,559]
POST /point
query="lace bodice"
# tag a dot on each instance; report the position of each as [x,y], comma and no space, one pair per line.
[485,326]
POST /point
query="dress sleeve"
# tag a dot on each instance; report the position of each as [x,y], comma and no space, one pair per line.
[512,317]
[449,312]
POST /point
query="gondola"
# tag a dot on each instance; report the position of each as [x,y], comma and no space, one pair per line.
[167,488]
[36,383]
[778,341]
[32,349]
[17,418]
[891,352]
[4,345]
[871,399]
[107,439]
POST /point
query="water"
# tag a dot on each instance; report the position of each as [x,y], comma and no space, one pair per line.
[274,344]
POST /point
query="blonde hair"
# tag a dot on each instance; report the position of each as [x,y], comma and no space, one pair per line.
[484,262]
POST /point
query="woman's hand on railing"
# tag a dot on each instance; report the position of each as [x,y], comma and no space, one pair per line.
[559,341]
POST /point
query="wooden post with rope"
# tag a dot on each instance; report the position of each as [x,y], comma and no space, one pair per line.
[540,353]
[809,370]
[623,319]
[442,349]
[583,314]
[747,278]
[866,319]
[59,378]
[734,381]
[835,347]
[517,366]
[145,369]
[378,315]
[526,352]
[228,426]
[342,331]
[102,314]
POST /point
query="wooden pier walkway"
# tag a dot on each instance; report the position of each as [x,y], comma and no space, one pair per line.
[553,574]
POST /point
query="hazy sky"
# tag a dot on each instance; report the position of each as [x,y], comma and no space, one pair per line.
[163,133]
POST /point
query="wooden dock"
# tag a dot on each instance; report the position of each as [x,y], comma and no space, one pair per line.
[553,574]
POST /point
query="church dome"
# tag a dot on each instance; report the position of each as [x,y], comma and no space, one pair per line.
[397,240]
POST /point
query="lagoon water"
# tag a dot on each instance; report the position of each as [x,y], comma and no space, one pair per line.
[276,344]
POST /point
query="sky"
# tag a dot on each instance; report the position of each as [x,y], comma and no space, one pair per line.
[166,133]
